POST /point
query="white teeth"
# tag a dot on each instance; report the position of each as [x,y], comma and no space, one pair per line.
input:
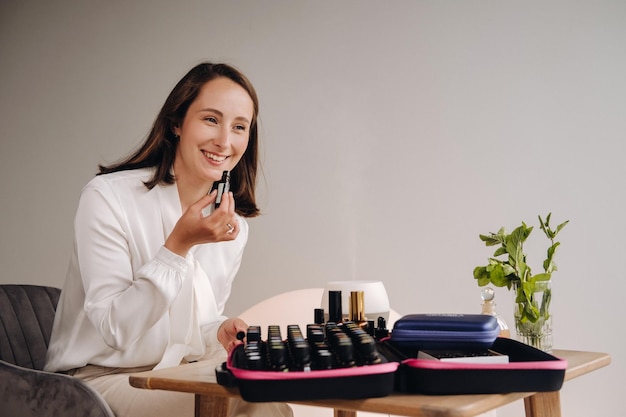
[214,157]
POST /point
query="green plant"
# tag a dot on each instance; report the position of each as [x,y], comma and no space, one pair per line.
[515,269]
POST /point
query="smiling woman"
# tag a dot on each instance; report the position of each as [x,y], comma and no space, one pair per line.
[150,273]
[213,137]
[161,145]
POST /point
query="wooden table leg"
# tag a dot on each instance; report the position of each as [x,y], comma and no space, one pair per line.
[211,406]
[344,413]
[543,404]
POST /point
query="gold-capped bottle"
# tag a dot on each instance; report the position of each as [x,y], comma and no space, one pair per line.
[357,309]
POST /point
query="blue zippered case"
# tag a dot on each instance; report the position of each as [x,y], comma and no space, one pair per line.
[445,331]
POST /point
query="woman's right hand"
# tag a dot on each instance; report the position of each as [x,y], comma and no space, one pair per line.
[194,228]
[228,331]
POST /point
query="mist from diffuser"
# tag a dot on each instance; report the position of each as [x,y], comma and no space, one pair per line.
[376,298]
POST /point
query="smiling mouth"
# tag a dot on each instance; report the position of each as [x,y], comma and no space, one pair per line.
[214,157]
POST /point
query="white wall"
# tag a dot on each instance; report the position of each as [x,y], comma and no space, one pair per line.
[394,133]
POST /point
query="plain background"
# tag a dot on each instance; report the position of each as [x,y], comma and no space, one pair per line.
[394,133]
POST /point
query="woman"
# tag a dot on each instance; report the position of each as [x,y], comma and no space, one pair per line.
[151,271]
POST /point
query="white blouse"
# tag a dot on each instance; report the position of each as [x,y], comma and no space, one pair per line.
[127,300]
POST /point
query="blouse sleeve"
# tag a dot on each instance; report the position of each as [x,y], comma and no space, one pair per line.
[222,288]
[121,305]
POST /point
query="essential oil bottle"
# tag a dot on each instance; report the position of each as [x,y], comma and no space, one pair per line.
[489,307]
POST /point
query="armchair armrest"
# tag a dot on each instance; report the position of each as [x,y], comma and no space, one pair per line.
[33,393]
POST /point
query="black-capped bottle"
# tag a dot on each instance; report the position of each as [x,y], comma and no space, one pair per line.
[335,309]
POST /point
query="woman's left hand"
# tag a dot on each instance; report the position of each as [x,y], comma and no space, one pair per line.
[227,333]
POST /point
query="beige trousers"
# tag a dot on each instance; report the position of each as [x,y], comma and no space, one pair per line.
[127,401]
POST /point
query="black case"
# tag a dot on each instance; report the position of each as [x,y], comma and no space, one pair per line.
[528,370]
[347,383]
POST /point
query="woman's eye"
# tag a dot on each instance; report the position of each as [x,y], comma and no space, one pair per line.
[240,127]
[210,119]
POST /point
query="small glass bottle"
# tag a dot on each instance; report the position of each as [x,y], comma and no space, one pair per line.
[489,307]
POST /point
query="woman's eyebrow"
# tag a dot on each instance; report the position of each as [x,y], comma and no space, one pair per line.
[219,113]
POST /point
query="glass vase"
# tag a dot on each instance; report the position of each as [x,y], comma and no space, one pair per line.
[532,314]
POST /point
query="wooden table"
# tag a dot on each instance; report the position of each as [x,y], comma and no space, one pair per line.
[212,398]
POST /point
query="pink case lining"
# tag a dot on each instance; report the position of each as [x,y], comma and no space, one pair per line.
[381,368]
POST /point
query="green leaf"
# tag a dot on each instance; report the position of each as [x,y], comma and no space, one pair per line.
[500,251]
[490,240]
[545,226]
[545,303]
[480,272]
[531,312]
[561,226]
[508,270]
[482,276]
[497,275]
[540,277]
[542,224]
[515,242]
[528,288]
[548,264]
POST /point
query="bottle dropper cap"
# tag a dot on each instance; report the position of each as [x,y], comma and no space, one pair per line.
[489,306]
[487,294]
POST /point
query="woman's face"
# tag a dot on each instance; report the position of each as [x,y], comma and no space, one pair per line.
[214,133]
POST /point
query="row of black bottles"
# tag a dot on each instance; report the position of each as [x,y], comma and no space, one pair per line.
[327,346]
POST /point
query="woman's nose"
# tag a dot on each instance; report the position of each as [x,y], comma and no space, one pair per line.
[222,137]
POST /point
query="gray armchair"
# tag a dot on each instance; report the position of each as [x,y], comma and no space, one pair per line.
[26,317]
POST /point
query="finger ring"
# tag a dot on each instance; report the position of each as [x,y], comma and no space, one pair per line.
[230,228]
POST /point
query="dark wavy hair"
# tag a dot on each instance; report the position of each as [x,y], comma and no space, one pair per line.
[159,148]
